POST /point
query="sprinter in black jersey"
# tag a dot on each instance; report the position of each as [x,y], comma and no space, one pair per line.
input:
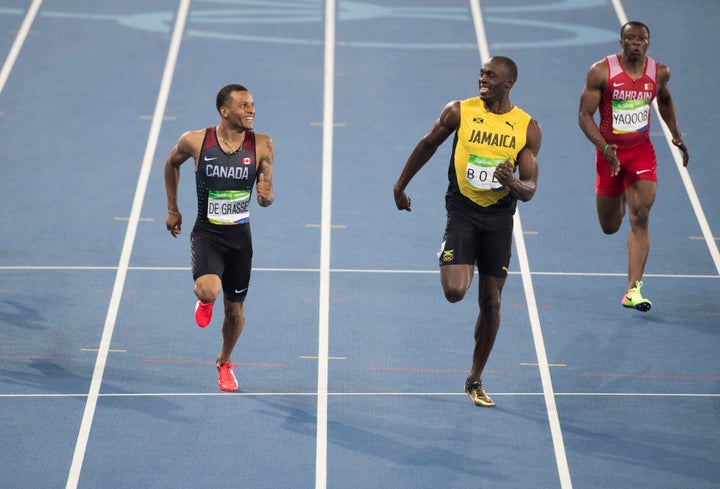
[230,160]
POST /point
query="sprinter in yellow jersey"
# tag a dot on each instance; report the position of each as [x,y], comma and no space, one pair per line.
[493,139]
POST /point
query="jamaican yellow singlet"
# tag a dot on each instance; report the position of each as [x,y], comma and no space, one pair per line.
[482,142]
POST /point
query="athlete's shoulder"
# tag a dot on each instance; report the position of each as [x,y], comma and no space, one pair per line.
[534,135]
[193,137]
[597,75]
[601,64]
[468,107]
[663,73]
[190,142]
[449,118]
[262,139]
[264,145]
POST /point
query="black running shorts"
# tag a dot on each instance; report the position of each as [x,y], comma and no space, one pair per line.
[482,240]
[227,255]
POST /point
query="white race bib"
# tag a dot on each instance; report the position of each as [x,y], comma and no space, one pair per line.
[228,207]
[480,173]
[630,115]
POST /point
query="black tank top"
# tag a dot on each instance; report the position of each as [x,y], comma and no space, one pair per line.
[224,183]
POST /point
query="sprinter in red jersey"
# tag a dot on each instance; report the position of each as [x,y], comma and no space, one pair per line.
[623,86]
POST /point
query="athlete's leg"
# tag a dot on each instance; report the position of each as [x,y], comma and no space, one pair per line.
[456,280]
[610,211]
[487,324]
[231,329]
[207,288]
[640,198]
[610,198]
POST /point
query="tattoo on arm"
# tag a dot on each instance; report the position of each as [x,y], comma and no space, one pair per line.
[264,166]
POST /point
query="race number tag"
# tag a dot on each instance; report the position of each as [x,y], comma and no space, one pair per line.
[228,207]
[480,173]
[630,115]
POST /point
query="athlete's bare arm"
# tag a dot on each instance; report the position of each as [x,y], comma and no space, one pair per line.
[589,104]
[441,129]
[667,109]
[523,188]
[265,155]
[188,146]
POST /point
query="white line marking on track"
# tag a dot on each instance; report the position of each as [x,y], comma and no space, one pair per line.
[89,412]
[18,43]
[352,270]
[325,232]
[370,394]
[684,175]
[553,418]
[543,365]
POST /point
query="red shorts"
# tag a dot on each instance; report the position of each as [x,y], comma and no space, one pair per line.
[636,163]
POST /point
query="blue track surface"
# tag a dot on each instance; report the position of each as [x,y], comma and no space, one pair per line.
[636,394]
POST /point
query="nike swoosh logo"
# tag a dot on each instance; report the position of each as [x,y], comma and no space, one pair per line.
[209,159]
[240,291]
[618,84]
[641,171]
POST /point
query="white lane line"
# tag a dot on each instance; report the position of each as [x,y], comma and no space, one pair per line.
[325,232]
[684,175]
[543,366]
[368,394]
[89,413]
[18,43]
[353,270]
[692,194]
[553,418]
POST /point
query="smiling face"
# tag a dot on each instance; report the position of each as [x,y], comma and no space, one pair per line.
[496,79]
[238,111]
[634,41]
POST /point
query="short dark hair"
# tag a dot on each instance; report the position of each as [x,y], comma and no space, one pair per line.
[509,64]
[634,23]
[224,94]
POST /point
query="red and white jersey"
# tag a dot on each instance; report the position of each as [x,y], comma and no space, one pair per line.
[625,105]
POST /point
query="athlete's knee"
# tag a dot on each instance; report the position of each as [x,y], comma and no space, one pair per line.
[234,312]
[610,227]
[639,216]
[610,223]
[489,295]
[490,303]
[455,281]
[234,315]
[611,212]
[207,288]
[454,294]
